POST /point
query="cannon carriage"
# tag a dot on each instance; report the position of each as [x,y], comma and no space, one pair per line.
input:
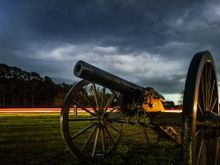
[100,104]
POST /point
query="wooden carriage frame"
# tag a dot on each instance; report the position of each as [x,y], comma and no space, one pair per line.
[111,106]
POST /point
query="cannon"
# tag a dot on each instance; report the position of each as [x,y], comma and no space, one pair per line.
[96,109]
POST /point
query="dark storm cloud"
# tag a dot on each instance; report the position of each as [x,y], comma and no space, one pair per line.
[127,23]
[143,41]
[170,84]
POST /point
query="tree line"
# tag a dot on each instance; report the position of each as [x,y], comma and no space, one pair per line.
[19,88]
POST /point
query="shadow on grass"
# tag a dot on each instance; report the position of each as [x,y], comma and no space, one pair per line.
[36,139]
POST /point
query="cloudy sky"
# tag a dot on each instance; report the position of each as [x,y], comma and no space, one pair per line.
[148,42]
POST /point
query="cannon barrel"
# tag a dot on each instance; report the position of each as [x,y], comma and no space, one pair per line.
[91,73]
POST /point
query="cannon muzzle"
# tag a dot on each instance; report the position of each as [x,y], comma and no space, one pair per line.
[91,73]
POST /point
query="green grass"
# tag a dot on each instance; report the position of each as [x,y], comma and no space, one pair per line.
[34,139]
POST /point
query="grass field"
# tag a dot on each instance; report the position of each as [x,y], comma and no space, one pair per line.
[32,139]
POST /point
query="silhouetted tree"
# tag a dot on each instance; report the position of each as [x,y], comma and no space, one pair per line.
[28,89]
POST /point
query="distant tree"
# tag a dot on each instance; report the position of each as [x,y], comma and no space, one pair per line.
[28,89]
[1,96]
[63,89]
[180,101]
[35,76]
[169,104]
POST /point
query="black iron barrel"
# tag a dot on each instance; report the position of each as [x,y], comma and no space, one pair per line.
[91,73]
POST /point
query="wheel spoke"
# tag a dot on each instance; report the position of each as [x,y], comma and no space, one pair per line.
[109,101]
[200,110]
[88,139]
[103,139]
[204,156]
[198,132]
[116,107]
[213,105]
[83,130]
[114,128]
[95,95]
[212,90]
[103,98]
[95,142]
[110,136]
[209,85]
[84,108]
[200,152]
[119,118]
[203,92]
[84,119]
[206,87]
[88,99]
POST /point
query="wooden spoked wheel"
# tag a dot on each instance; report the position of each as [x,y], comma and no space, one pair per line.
[199,141]
[91,121]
